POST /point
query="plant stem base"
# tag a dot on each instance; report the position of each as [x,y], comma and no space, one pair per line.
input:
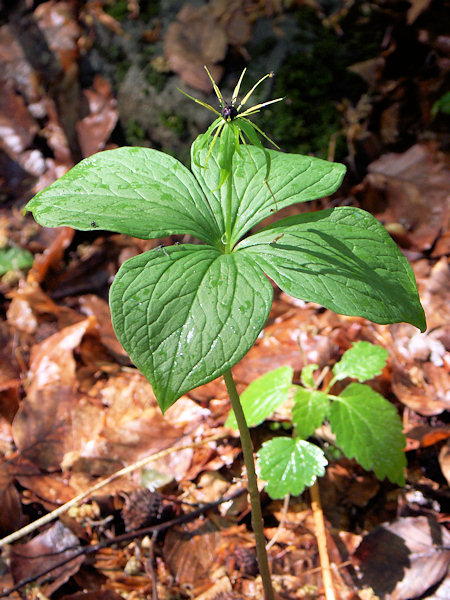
[252,485]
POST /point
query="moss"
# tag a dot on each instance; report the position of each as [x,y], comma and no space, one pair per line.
[117,9]
[156,78]
[135,135]
[313,78]
[175,123]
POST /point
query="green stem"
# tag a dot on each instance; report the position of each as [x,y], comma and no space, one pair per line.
[228,205]
[252,486]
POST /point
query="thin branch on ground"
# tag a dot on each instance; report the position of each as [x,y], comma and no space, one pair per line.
[322,541]
[87,550]
[16,535]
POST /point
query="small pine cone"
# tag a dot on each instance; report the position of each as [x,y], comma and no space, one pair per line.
[246,561]
[142,508]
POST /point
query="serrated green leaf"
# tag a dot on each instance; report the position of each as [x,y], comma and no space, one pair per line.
[368,428]
[309,411]
[362,361]
[289,465]
[185,314]
[137,191]
[306,376]
[14,257]
[263,396]
[293,178]
[342,258]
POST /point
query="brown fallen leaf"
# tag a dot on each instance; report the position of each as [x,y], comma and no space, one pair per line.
[193,40]
[42,552]
[17,126]
[416,9]
[405,558]
[92,305]
[192,552]
[42,427]
[425,389]
[444,461]
[94,129]
[11,514]
[401,188]
[57,22]
[15,67]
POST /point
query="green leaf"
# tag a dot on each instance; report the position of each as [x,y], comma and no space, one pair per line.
[187,313]
[289,465]
[342,258]
[306,376]
[263,396]
[368,428]
[362,361]
[293,178]
[137,191]
[14,257]
[309,411]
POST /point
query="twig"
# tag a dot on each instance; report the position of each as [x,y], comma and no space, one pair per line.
[65,507]
[322,541]
[87,550]
[281,523]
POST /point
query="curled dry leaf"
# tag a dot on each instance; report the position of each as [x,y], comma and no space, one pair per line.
[57,22]
[195,39]
[17,126]
[401,188]
[94,129]
[404,559]
[52,256]
[45,550]
[444,461]
[15,67]
[42,427]
[193,553]
[11,514]
[92,305]
[120,423]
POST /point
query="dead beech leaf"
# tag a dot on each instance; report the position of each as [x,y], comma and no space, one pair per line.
[15,67]
[42,552]
[191,553]
[444,461]
[402,188]
[42,427]
[119,423]
[405,558]
[416,9]
[94,130]
[17,126]
[11,515]
[60,28]
[98,308]
[52,363]
[49,490]
[425,390]
[52,256]
[30,305]
[195,39]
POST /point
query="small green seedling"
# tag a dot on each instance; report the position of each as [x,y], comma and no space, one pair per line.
[189,313]
[14,257]
[366,426]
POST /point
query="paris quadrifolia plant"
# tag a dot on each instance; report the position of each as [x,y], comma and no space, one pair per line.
[188,313]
